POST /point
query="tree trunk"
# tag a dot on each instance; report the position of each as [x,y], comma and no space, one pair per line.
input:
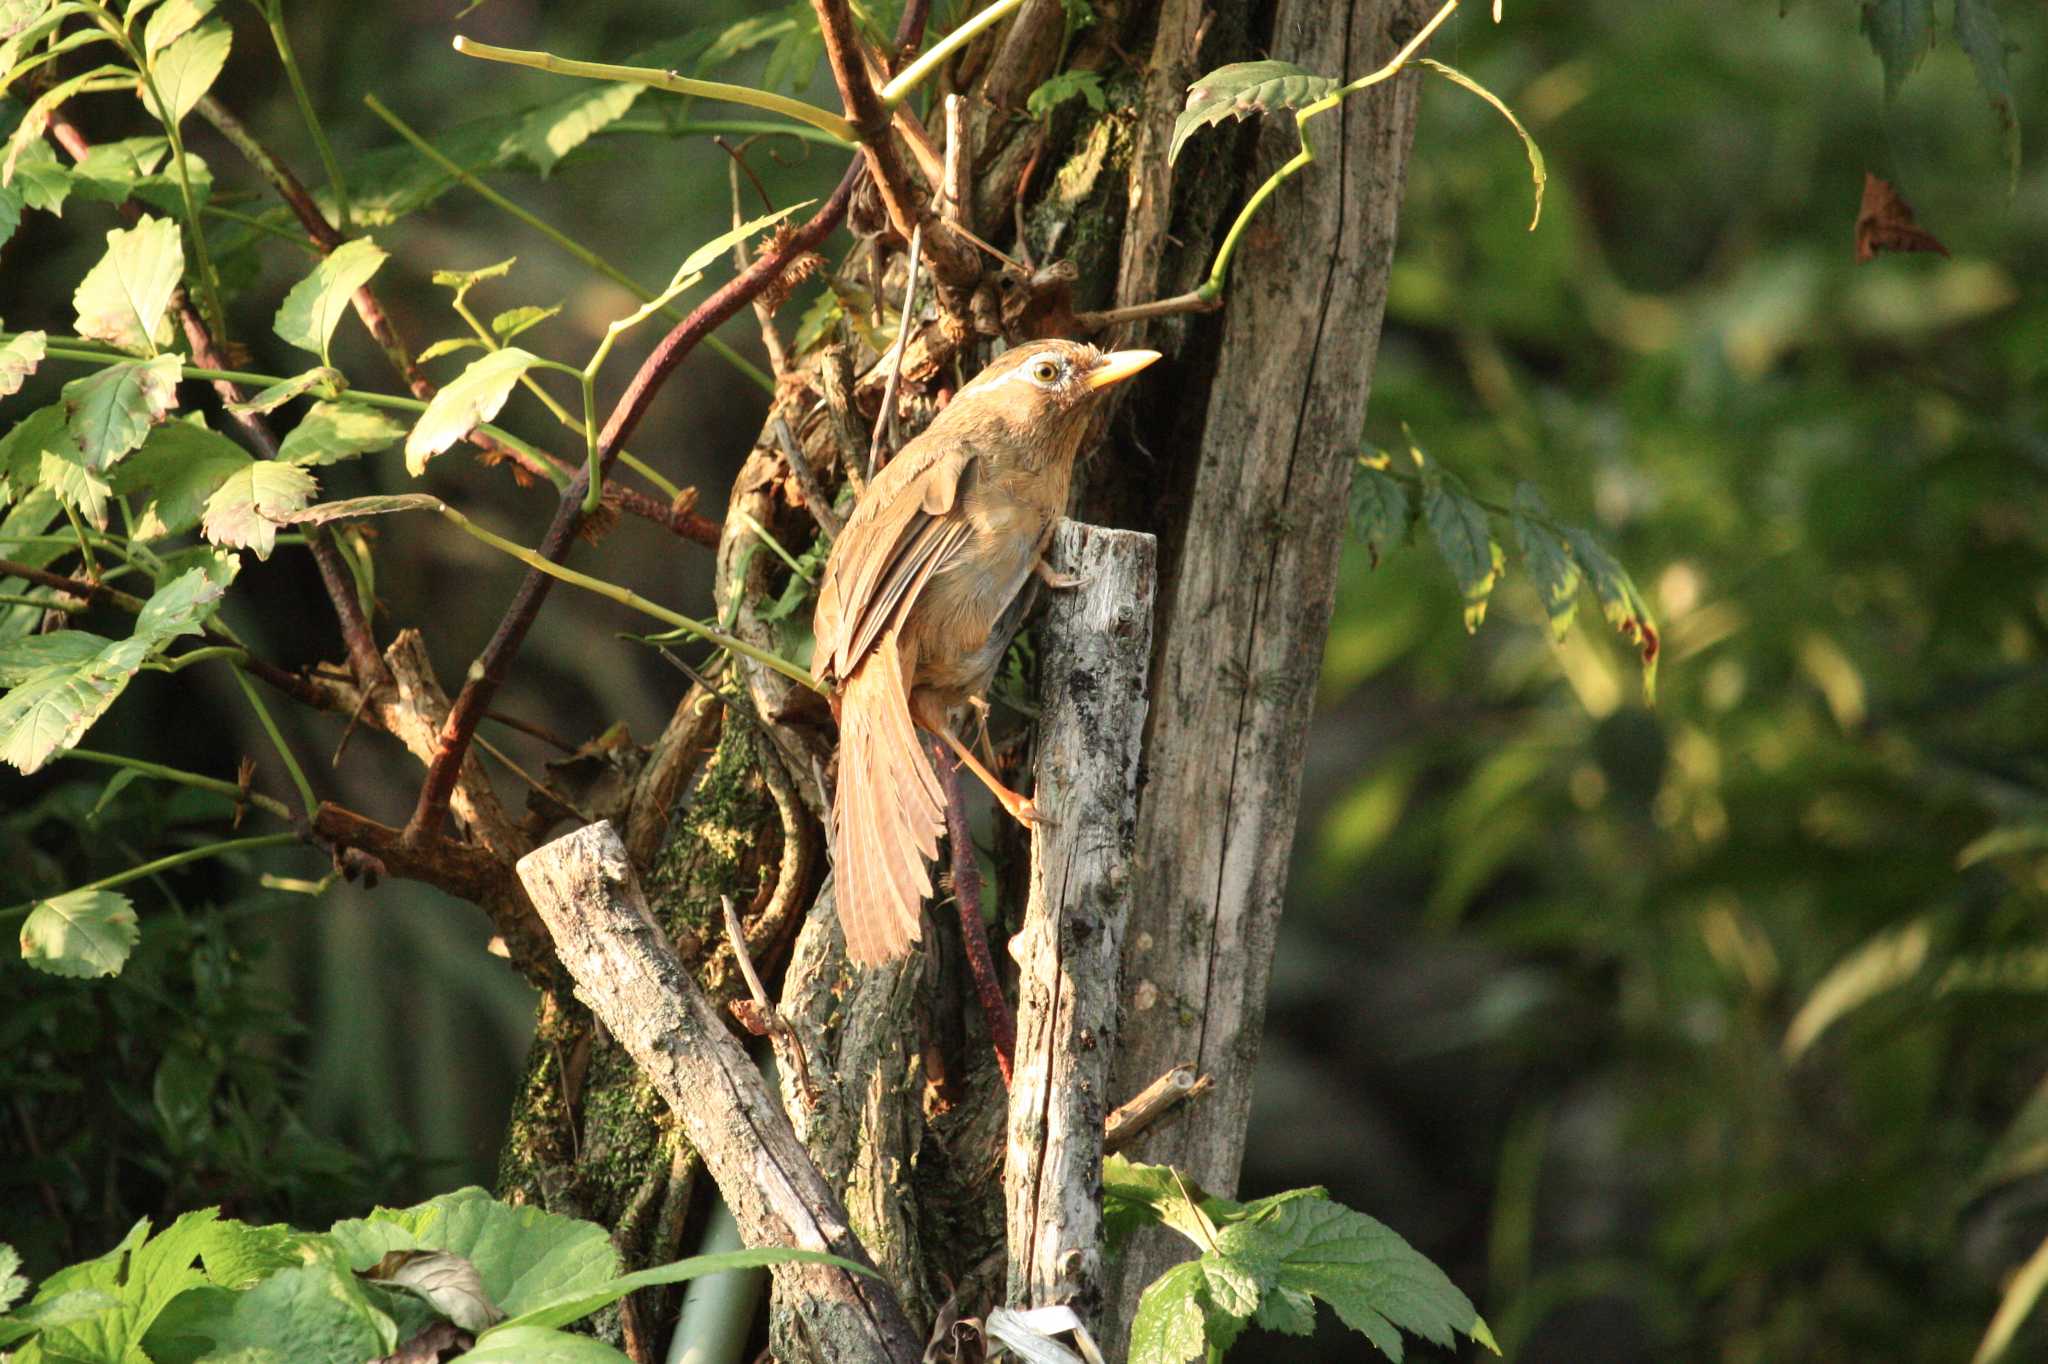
[1238,459]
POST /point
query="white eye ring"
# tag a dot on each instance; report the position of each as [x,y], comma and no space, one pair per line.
[1044,371]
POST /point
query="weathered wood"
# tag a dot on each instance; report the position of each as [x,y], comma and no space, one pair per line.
[1094,645]
[1249,586]
[1150,1104]
[626,972]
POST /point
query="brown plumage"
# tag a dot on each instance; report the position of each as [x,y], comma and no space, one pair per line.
[921,595]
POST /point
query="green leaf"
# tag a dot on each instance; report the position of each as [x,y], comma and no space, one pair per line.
[110,170]
[247,509]
[1620,602]
[1537,172]
[1288,1311]
[29,131]
[237,1255]
[172,20]
[539,1345]
[512,322]
[61,1310]
[473,398]
[573,1306]
[314,1313]
[712,250]
[282,392]
[335,431]
[1379,1285]
[1882,964]
[2004,842]
[41,180]
[64,473]
[122,299]
[1170,1326]
[16,15]
[12,1285]
[82,934]
[314,307]
[1242,89]
[111,411]
[21,449]
[27,654]
[185,603]
[450,346]
[1380,511]
[1135,1195]
[1465,538]
[1063,86]
[186,70]
[1978,33]
[1547,558]
[2015,1305]
[552,131]
[175,471]
[18,359]
[462,281]
[1902,31]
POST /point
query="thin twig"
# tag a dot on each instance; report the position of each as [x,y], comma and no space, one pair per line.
[815,500]
[764,316]
[835,378]
[885,420]
[488,673]
[988,986]
[1177,1087]
[764,1013]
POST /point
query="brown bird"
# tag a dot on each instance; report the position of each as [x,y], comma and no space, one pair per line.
[922,593]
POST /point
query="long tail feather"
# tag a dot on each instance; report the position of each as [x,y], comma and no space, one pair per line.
[887,813]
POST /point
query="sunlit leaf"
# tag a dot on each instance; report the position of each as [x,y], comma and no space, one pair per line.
[1243,89]
[315,306]
[447,1282]
[83,933]
[111,410]
[1620,602]
[451,345]
[122,300]
[512,322]
[52,708]
[282,392]
[335,431]
[474,397]
[552,131]
[172,475]
[64,472]
[349,508]
[1884,963]
[186,70]
[18,359]
[1537,172]
[2017,1303]
[248,508]
[1548,559]
[28,654]
[171,21]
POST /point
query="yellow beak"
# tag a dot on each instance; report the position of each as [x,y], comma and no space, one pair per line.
[1119,365]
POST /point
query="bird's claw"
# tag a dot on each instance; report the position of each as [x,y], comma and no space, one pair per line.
[1056,580]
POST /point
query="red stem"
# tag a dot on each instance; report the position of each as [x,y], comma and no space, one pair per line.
[988,985]
[488,672]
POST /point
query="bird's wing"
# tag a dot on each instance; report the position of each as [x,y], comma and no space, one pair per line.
[904,531]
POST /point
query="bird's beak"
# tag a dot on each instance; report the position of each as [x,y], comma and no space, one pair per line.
[1119,365]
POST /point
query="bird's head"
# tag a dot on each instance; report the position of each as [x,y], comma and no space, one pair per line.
[1040,392]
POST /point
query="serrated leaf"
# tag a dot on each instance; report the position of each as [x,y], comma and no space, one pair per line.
[335,431]
[172,20]
[51,709]
[17,15]
[1548,560]
[1620,602]
[122,299]
[1170,1326]
[1379,1285]
[12,1285]
[552,131]
[249,507]
[110,412]
[1380,511]
[473,398]
[462,281]
[1242,89]
[314,307]
[1287,1310]
[712,250]
[185,603]
[64,473]
[540,1345]
[185,71]
[29,131]
[1135,1194]
[313,1313]
[143,1275]
[1464,536]
[41,180]
[1063,86]
[513,321]
[81,934]
[1902,31]
[322,513]
[282,392]
[1978,34]
[450,346]
[21,449]
[175,471]
[1537,171]
[18,359]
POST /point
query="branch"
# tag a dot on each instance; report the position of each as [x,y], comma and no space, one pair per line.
[488,672]
[630,977]
[1096,644]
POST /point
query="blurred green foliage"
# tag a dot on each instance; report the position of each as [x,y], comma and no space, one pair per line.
[1707,1031]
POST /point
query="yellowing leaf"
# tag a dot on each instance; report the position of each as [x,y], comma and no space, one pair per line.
[18,359]
[247,509]
[122,299]
[82,934]
[175,471]
[1465,538]
[314,307]
[185,71]
[474,397]
[111,411]
[338,431]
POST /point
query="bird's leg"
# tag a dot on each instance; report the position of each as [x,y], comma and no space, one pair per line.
[980,705]
[1055,579]
[988,985]
[1021,808]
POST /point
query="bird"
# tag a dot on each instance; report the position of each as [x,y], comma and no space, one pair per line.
[921,594]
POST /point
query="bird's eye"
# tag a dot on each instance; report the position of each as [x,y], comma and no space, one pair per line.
[1045,371]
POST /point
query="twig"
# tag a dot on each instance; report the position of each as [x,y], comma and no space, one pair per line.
[1178,1086]
[488,673]
[988,985]
[815,500]
[764,1017]
[764,316]
[885,420]
[835,378]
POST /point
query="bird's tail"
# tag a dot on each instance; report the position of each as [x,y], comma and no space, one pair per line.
[887,813]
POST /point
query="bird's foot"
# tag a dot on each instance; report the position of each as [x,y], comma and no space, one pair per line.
[1057,580]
